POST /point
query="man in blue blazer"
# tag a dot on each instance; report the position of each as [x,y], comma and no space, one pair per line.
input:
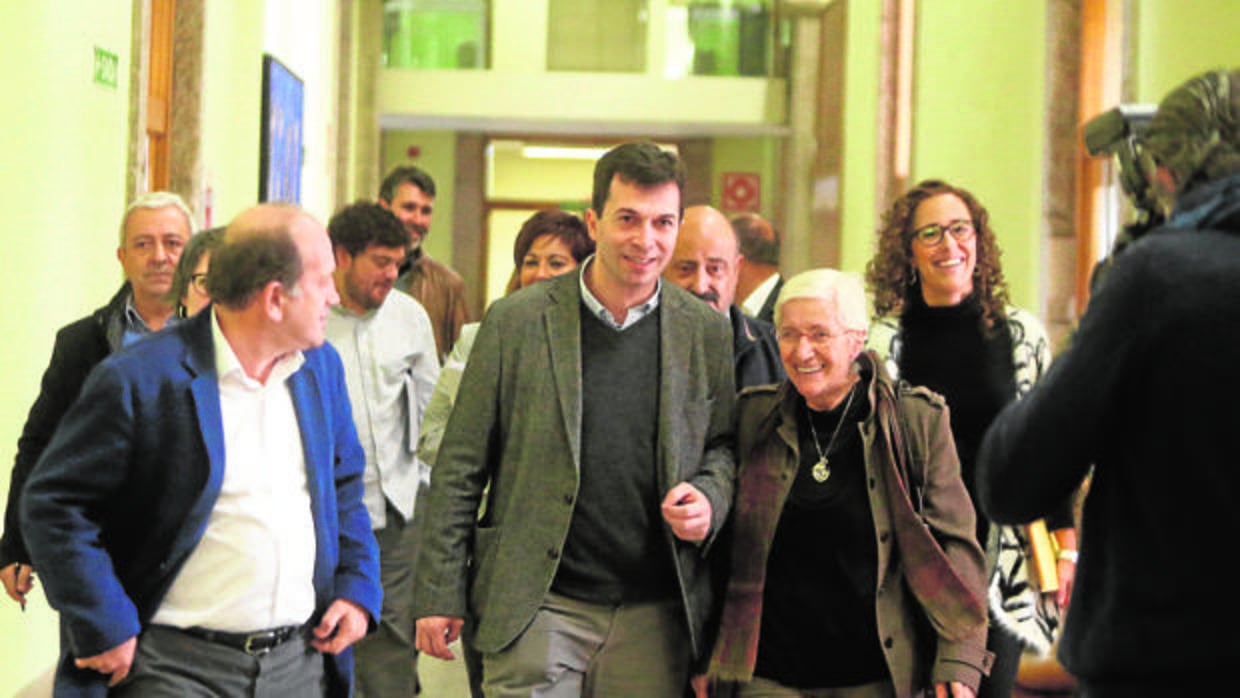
[198,517]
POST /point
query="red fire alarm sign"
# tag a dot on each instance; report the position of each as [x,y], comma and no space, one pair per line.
[742,191]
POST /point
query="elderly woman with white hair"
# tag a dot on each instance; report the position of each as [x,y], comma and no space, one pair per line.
[855,572]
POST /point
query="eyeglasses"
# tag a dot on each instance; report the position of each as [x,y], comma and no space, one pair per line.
[199,282]
[789,337]
[932,234]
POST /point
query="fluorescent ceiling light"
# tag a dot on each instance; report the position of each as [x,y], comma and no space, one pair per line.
[548,152]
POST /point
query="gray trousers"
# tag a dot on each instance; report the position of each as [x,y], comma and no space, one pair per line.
[765,688]
[169,663]
[386,661]
[574,649]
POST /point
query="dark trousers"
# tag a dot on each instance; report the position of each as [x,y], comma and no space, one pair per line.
[386,661]
[169,663]
[1002,679]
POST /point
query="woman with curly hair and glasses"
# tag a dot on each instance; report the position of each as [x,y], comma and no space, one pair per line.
[944,322]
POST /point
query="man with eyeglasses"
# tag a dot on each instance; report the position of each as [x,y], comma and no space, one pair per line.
[391,366]
[153,232]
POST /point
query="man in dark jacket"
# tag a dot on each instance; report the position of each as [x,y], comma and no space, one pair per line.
[153,232]
[706,263]
[1145,397]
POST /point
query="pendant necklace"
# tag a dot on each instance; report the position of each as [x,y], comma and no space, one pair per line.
[821,470]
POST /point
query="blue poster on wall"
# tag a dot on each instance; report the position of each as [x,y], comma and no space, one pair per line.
[280,149]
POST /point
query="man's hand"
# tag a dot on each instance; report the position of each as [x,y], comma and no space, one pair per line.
[953,690]
[688,512]
[1067,579]
[343,623]
[18,580]
[435,633]
[115,662]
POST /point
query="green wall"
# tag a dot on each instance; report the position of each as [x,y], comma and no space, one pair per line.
[978,114]
[750,154]
[232,103]
[64,144]
[65,140]
[858,185]
[1177,40]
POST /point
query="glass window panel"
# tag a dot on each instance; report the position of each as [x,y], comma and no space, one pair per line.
[448,34]
[606,36]
[725,37]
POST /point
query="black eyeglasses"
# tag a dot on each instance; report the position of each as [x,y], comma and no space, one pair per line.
[199,282]
[932,234]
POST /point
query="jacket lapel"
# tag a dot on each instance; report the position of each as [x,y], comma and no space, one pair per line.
[676,346]
[562,321]
[199,362]
[311,419]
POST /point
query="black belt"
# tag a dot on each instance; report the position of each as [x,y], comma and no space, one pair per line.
[256,643]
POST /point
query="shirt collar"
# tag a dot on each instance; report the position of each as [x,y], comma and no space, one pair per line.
[228,366]
[634,314]
[135,326]
[757,297]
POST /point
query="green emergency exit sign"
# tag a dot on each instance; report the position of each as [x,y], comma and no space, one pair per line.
[107,67]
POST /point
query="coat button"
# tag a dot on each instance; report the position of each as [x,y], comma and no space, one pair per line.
[568,499]
[873,484]
[888,642]
[884,536]
[553,553]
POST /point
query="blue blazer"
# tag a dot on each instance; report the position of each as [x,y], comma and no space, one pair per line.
[122,494]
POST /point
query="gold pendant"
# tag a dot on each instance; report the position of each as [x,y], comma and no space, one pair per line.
[820,471]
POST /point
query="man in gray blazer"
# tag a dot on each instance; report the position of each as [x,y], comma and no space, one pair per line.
[597,406]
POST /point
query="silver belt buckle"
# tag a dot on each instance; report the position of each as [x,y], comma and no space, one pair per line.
[249,641]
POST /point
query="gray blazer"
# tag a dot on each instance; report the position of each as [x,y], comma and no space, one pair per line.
[517,427]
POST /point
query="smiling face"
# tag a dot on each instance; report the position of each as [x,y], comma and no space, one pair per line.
[548,256]
[634,234]
[945,269]
[414,208]
[817,351]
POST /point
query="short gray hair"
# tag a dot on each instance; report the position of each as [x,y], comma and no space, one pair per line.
[156,200]
[842,290]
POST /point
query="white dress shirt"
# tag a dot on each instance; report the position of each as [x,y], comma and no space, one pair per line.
[253,568]
[390,368]
[757,298]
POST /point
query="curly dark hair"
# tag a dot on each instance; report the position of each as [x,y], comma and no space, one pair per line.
[888,273]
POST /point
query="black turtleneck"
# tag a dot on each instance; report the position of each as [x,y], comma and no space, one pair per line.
[946,350]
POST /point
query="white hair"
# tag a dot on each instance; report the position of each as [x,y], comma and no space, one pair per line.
[157,200]
[841,290]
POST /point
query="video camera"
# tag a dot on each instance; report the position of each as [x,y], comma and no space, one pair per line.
[1117,132]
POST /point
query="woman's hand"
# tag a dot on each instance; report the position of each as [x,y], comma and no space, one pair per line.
[701,686]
